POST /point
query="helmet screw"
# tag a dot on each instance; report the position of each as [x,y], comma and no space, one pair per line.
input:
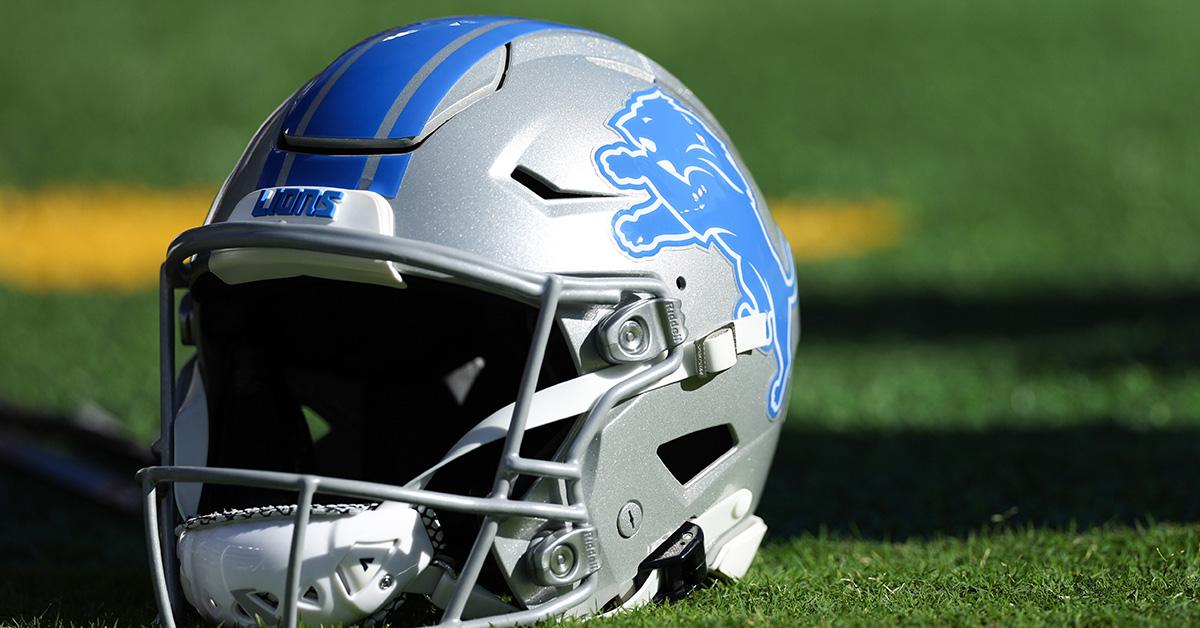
[629,520]
[632,336]
[562,560]
[386,581]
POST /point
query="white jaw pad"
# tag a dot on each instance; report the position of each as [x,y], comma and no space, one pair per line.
[232,570]
[732,534]
[360,210]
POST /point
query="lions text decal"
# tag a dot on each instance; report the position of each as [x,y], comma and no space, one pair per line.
[698,197]
[296,202]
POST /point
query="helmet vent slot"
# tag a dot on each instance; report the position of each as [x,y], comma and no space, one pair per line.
[688,456]
[347,145]
[507,64]
[546,190]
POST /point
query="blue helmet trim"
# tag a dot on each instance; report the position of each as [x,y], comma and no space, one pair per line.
[421,106]
[355,98]
[336,171]
[361,95]
[310,97]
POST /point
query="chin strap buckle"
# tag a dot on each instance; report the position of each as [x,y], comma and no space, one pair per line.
[681,563]
[718,350]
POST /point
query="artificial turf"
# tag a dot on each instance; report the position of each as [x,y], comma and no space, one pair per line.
[997,420]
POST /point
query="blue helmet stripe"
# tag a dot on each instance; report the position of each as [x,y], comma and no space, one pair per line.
[421,106]
[335,171]
[271,167]
[389,174]
[313,95]
[366,89]
[387,86]
[338,171]
[305,104]
[402,100]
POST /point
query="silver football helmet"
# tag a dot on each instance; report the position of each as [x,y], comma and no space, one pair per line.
[489,316]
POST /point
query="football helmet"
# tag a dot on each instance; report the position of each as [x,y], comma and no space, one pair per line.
[489,317]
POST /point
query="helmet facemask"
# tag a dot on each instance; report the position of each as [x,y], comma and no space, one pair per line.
[379,369]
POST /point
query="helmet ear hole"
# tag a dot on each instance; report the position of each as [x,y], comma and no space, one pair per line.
[680,282]
[688,456]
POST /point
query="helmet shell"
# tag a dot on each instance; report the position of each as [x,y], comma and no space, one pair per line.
[553,149]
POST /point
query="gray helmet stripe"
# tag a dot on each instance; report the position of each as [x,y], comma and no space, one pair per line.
[368,173]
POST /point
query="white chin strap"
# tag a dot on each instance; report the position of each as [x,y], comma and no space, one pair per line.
[356,560]
[711,354]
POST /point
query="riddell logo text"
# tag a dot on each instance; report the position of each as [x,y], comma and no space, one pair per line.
[296,202]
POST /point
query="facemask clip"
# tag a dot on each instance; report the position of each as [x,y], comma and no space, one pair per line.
[564,556]
[640,330]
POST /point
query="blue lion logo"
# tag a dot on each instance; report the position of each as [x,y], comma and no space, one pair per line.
[698,196]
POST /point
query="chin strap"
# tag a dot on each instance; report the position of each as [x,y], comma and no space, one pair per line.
[711,354]
[718,350]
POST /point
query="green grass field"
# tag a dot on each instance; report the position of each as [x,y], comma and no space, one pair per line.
[995,421]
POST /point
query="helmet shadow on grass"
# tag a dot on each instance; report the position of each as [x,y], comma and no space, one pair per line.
[899,485]
[1086,331]
[904,483]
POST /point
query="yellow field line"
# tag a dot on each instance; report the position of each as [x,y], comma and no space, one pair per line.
[112,238]
[104,238]
[824,229]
